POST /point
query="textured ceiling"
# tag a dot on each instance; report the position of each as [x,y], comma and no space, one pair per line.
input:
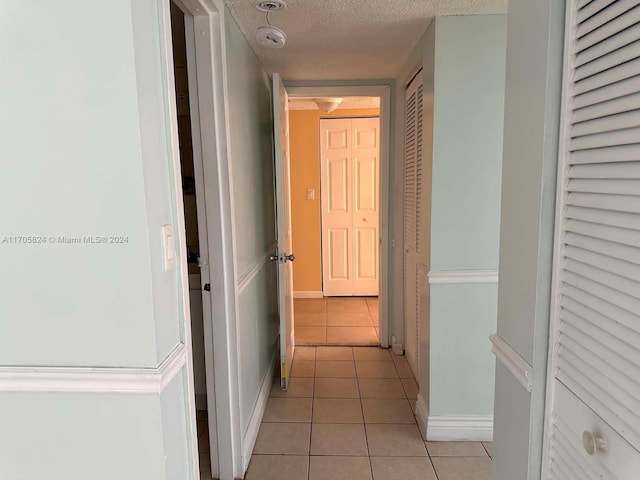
[347,102]
[348,39]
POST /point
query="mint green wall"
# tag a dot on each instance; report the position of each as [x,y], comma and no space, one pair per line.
[87,151]
[535,32]
[77,436]
[72,166]
[467,141]
[462,366]
[252,168]
[467,155]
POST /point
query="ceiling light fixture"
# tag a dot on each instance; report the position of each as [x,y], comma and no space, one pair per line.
[269,35]
[327,105]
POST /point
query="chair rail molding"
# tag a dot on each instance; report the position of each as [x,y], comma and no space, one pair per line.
[94,379]
[247,277]
[442,277]
[517,365]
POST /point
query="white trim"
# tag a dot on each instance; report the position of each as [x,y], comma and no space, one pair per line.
[422,415]
[440,277]
[258,412]
[451,428]
[307,294]
[398,348]
[247,277]
[383,91]
[517,365]
[94,380]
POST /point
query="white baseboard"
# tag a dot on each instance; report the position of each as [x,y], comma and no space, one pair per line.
[307,294]
[463,427]
[422,415]
[397,348]
[251,436]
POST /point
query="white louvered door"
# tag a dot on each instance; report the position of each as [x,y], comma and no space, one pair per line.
[593,420]
[413,213]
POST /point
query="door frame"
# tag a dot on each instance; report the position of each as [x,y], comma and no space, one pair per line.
[384,93]
[205,37]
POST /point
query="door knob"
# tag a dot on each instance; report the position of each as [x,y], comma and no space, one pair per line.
[364,219]
[592,442]
[289,257]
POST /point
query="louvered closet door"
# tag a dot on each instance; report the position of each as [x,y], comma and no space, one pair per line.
[413,188]
[593,429]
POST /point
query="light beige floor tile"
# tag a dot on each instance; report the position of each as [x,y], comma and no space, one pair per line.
[278,467]
[372,302]
[456,449]
[376,370]
[337,410]
[371,354]
[283,438]
[310,305]
[335,369]
[349,320]
[402,365]
[412,402]
[339,468]
[351,335]
[381,388]
[377,332]
[303,368]
[402,468]
[304,353]
[288,410]
[338,439]
[488,446]
[334,353]
[410,387]
[307,319]
[387,410]
[336,388]
[347,305]
[462,468]
[298,387]
[205,466]
[395,441]
[310,335]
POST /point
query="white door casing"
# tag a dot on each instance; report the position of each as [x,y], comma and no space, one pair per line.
[284,255]
[350,166]
[415,254]
[592,425]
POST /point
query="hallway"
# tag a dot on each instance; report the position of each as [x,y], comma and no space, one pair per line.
[348,415]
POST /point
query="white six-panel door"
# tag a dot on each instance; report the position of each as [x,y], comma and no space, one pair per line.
[350,165]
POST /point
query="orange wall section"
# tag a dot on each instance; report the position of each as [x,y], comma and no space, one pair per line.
[304,133]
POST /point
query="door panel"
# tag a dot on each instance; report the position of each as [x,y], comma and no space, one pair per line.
[350,204]
[283,213]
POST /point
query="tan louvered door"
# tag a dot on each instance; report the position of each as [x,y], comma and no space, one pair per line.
[413,188]
[593,424]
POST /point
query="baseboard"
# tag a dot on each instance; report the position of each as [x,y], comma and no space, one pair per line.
[201,401]
[307,294]
[258,411]
[397,348]
[463,427]
[422,415]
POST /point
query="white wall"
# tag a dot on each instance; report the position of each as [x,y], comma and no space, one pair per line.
[534,71]
[86,150]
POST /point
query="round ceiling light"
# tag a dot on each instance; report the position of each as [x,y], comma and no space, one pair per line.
[327,104]
[271,37]
[270,5]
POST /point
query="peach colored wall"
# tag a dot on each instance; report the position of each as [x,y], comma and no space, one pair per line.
[304,128]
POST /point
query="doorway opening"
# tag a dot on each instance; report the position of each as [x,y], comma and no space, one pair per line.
[335,162]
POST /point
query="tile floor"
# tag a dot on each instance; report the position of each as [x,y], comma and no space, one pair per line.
[336,321]
[348,415]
